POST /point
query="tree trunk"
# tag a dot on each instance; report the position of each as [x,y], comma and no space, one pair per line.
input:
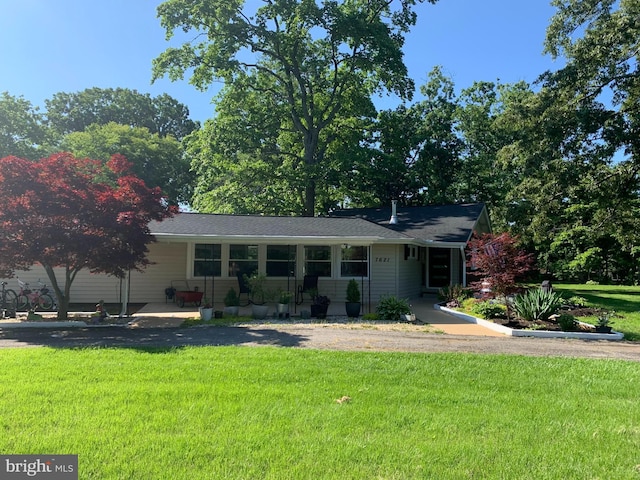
[62,298]
[310,198]
[311,162]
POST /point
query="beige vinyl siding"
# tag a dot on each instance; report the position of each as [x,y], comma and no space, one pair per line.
[384,270]
[86,288]
[409,276]
[169,263]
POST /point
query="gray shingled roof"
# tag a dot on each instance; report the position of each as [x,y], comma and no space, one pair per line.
[199,224]
[437,223]
[446,223]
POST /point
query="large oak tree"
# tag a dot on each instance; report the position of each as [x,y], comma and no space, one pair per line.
[319,62]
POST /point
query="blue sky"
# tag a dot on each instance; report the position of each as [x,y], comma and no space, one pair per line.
[50,46]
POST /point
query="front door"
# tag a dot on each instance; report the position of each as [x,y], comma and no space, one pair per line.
[439,267]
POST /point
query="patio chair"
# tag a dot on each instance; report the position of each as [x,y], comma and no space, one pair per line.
[309,285]
[243,287]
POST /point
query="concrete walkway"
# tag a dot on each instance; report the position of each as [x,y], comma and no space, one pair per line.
[170,315]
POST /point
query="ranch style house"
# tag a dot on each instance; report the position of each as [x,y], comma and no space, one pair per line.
[402,251]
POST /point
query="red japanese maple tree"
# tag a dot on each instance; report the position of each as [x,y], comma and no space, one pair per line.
[498,260]
[73,214]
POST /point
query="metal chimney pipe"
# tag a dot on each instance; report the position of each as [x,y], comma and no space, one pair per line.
[394,213]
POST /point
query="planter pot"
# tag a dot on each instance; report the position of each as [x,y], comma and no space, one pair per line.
[259,311]
[217,314]
[232,311]
[352,308]
[319,311]
[206,313]
[603,329]
[283,310]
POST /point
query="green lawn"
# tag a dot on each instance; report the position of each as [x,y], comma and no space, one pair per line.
[625,300]
[247,413]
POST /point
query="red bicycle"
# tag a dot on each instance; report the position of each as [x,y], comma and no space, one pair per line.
[31,299]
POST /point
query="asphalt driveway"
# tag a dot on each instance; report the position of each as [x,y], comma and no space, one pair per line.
[301,336]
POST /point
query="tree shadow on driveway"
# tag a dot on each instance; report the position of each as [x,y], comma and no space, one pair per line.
[147,338]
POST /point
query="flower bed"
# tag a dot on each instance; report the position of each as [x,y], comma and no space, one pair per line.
[508,329]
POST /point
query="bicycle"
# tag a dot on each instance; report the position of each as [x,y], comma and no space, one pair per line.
[8,301]
[31,299]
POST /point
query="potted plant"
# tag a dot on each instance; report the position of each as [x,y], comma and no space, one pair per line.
[284,298]
[231,303]
[206,310]
[603,324]
[352,305]
[319,306]
[259,294]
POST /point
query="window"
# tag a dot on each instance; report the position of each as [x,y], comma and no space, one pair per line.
[354,261]
[206,260]
[281,261]
[243,259]
[317,261]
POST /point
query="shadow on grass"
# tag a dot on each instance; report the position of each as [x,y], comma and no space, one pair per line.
[150,340]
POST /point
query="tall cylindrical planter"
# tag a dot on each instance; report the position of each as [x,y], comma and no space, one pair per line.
[206,314]
[352,308]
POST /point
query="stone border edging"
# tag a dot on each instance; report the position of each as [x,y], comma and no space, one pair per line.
[529,333]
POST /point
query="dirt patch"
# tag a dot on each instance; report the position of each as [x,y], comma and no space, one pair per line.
[345,323]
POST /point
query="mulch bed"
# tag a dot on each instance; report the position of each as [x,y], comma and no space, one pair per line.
[551,325]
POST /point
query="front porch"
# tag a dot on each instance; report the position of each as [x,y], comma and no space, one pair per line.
[170,315]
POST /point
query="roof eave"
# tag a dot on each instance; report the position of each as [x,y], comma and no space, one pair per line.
[276,239]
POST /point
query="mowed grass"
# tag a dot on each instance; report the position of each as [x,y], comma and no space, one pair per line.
[271,413]
[625,300]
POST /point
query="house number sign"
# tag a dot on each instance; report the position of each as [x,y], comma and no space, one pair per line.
[383,259]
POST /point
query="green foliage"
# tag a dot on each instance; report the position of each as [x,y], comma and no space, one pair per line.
[21,128]
[537,304]
[567,322]
[453,295]
[77,111]
[371,316]
[231,299]
[257,285]
[488,310]
[158,160]
[577,301]
[284,297]
[295,73]
[392,308]
[604,319]
[353,291]
[469,303]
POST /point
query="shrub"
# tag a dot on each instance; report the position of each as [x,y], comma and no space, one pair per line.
[353,292]
[577,301]
[536,304]
[231,298]
[488,310]
[468,304]
[392,308]
[370,316]
[567,322]
[453,295]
